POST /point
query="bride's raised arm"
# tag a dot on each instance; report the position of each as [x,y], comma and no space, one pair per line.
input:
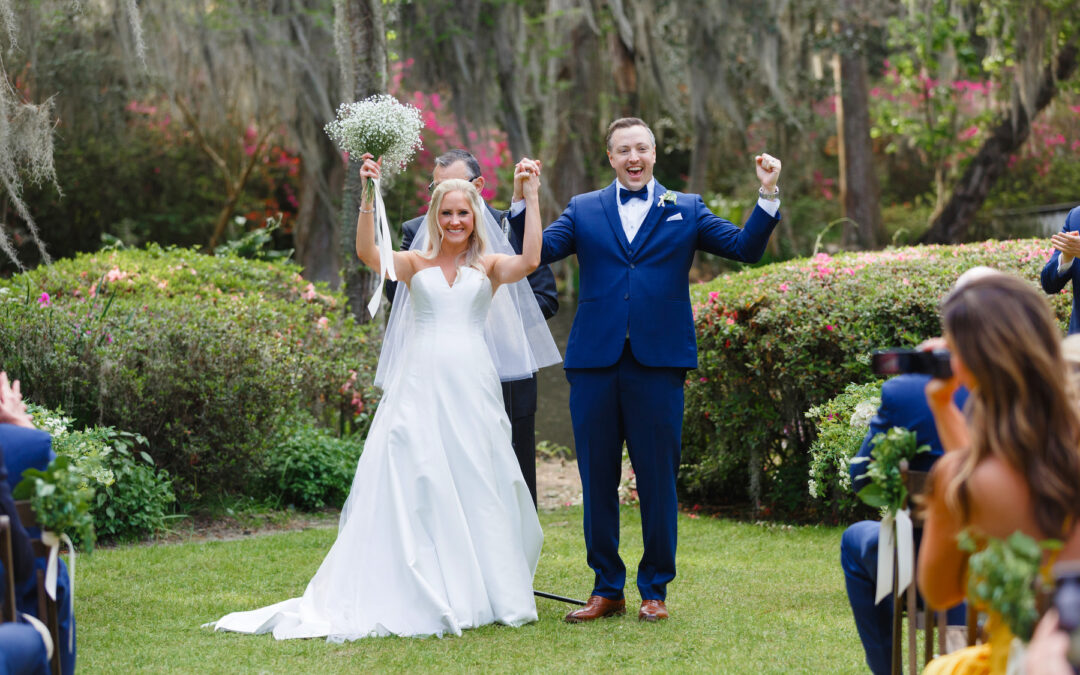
[508,269]
[366,249]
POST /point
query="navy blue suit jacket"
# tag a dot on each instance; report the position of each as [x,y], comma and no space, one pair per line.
[1053,281]
[903,404]
[641,289]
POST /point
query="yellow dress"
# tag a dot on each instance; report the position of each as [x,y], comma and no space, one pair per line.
[989,658]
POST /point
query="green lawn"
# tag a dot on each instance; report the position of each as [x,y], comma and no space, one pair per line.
[748,598]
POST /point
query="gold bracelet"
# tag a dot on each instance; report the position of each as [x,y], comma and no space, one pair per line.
[371,210]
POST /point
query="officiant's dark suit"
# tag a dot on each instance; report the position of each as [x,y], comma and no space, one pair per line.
[519,396]
[631,344]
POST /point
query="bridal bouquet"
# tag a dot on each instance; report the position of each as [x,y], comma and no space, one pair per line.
[386,128]
[382,126]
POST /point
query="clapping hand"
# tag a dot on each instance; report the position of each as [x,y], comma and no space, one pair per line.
[12,408]
[526,171]
[1068,243]
[768,171]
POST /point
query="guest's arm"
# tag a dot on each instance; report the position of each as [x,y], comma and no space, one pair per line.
[942,567]
[22,553]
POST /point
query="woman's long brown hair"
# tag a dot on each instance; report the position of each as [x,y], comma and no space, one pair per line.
[1022,409]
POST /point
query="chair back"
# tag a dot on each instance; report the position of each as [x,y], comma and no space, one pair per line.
[47,610]
[7,559]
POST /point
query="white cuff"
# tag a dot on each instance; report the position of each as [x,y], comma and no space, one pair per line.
[1064,266]
[769,206]
[516,208]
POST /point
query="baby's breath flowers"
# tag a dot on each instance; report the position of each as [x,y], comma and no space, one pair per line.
[380,125]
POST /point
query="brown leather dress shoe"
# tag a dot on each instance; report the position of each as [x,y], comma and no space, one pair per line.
[597,607]
[652,610]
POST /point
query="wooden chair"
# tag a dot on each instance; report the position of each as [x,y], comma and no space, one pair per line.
[48,612]
[915,481]
[7,558]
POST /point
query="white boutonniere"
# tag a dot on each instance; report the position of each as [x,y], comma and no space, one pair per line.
[668,196]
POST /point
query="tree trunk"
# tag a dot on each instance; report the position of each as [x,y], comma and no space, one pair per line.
[366,32]
[992,160]
[315,236]
[508,24]
[859,191]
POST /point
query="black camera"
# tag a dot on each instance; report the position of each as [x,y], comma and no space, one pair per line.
[899,361]
[1066,601]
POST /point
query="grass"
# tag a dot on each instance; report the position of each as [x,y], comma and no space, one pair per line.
[748,599]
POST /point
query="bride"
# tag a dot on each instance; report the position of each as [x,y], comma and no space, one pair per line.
[439,532]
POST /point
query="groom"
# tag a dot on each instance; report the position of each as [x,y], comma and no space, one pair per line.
[630,347]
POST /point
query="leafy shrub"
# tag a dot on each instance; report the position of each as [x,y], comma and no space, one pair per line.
[841,425]
[311,468]
[61,500]
[199,354]
[775,341]
[132,498]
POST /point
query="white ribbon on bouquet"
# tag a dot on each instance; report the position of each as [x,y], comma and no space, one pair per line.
[896,533]
[385,247]
[52,540]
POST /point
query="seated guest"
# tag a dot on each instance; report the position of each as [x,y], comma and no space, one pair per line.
[903,404]
[23,650]
[25,447]
[1014,463]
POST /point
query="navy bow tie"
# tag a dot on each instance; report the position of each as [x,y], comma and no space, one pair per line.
[626,195]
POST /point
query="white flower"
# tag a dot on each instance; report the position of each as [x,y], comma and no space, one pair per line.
[668,196]
[864,412]
[380,125]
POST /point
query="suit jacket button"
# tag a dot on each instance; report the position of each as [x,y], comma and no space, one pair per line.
[626,297]
[632,265]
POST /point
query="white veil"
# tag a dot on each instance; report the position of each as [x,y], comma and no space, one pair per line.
[516,332]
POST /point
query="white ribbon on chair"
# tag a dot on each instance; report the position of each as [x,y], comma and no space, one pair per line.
[51,540]
[896,532]
[386,251]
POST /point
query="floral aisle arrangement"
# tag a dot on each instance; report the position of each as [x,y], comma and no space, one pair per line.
[888,492]
[386,128]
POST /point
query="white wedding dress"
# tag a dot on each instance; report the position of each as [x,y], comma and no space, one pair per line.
[439,532]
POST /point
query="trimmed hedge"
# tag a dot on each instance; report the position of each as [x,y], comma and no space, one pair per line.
[776,340]
[202,355]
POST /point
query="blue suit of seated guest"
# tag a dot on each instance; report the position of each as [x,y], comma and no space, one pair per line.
[25,448]
[630,346]
[1055,279]
[903,404]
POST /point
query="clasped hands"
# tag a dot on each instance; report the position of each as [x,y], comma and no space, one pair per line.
[12,408]
[1068,243]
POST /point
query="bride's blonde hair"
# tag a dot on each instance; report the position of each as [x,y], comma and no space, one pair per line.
[478,244]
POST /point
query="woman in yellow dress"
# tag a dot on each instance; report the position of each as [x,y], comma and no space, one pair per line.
[1014,462]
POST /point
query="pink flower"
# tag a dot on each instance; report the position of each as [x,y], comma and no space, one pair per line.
[969,133]
[163,284]
[309,292]
[829,327]
[44,300]
[323,322]
[784,287]
[713,295]
[703,379]
[115,274]
[730,321]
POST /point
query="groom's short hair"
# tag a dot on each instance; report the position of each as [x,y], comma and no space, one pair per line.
[458,155]
[623,123]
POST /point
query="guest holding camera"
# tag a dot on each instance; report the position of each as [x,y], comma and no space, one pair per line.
[1014,463]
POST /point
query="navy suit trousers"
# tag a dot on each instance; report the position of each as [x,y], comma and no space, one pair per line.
[643,407]
[858,557]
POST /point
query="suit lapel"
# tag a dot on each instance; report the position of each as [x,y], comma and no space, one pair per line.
[651,219]
[611,209]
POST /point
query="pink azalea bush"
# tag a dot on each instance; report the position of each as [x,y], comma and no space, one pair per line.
[775,341]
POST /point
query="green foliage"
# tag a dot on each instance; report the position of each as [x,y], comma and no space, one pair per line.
[60,499]
[256,244]
[132,498]
[886,489]
[311,468]
[199,354]
[1002,578]
[777,340]
[841,423]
